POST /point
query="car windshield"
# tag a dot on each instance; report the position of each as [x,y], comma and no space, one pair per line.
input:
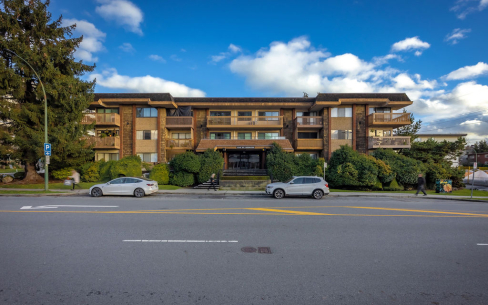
[287,181]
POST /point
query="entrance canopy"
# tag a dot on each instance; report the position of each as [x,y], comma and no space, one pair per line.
[242,144]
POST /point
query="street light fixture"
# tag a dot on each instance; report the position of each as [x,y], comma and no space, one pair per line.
[46,172]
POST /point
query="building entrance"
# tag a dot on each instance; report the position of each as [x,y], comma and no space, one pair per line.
[244,160]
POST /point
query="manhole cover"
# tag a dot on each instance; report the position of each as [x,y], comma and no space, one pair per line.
[265,250]
[248,249]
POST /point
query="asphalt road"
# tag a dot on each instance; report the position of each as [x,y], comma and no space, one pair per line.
[187,250]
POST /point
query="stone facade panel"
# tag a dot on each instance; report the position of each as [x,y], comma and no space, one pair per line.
[361,131]
[128,128]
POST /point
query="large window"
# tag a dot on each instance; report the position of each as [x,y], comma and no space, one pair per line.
[341,134]
[107,157]
[219,113]
[244,135]
[303,113]
[341,112]
[382,133]
[268,135]
[220,135]
[149,157]
[308,135]
[244,113]
[108,110]
[268,113]
[181,135]
[146,112]
[146,134]
[107,133]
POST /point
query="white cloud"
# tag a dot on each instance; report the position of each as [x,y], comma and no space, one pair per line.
[471,122]
[408,44]
[157,58]
[381,60]
[123,12]
[111,79]
[468,72]
[127,47]
[418,53]
[456,35]
[175,57]
[92,39]
[464,7]
[223,55]
[183,50]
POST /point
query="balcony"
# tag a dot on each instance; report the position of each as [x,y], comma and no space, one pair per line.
[389,142]
[308,122]
[175,122]
[388,119]
[179,144]
[309,144]
[104,143]
[272,122]
[108,119]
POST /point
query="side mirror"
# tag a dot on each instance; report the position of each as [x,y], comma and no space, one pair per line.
[108,183]
[292,182]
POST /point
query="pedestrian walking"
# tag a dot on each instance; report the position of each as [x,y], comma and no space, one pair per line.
[212,182]
[76,179]
[421,185]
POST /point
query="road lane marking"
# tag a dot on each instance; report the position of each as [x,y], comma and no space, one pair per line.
[419,211]
[482,244]
[287,211]
[55,206]
[178,241]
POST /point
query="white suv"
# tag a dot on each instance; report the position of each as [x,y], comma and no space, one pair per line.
[300,186]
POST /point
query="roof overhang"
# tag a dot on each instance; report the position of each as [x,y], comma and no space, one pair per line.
[376,102]
[115,102]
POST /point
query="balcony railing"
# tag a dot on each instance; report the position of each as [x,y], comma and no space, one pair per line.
[101,119]
[389,142]
[309,121]
[389,119]
[179,122]
[179,143]
[104,143]
[245,121]
[309,144]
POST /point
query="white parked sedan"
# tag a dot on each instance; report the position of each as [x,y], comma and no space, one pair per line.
[137,187]
[299,186]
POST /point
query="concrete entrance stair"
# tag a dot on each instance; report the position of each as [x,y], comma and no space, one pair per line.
[245,172]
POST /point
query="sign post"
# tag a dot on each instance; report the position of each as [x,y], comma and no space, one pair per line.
[47,154]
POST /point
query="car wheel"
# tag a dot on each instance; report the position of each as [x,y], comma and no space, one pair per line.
[317,194]
[278,194]
[96,192]
[139,193]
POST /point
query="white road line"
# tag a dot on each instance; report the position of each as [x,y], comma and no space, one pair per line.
[178,241]
[55,206]
[482,244]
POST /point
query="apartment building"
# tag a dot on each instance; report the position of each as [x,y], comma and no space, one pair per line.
[158,126]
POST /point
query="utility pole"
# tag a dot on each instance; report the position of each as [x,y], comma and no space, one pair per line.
[46,171]
[476,162]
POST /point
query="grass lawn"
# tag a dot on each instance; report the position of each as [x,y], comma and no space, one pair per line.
[61,186]
[28,192]
[8,170]
[464,192]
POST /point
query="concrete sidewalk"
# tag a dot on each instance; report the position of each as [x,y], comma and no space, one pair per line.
[257,194]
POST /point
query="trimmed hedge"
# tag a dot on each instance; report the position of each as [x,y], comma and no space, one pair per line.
[90,172]
[160,173]
[392,186]
[211,162]
[129,166]
[186,162]
[182,179]
[62,174]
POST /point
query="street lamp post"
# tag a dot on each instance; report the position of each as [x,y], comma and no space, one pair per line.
[46,172]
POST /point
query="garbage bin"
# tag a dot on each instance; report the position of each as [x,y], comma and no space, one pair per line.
[443,186]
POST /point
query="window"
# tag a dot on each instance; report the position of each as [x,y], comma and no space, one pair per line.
[107,133]
[341,112]
[303,113]
[341,134]
[244,135]
[149,157]
[298,181]
[219,113]
[220,135]
[308,135]
[107,157]
[108,110]
[268,113]
[146,134]
[268,135]
[379,110]
[118,181]
[244,113]
[310,180]
[181,135]
[382,133]
[146,112]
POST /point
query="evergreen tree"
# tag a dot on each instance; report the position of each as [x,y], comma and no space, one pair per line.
[409,130]
[481,146]
[26,28]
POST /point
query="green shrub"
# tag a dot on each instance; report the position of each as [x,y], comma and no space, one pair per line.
[19,175]
[160,173]
[211,162]
[406,169]
[377,185]
[343,175]
[186,162]
[392,186]
[90,172]
[349,168]
[182,179]
[62,174]
[106,170]
[306,166]
[280,164]
[130,166]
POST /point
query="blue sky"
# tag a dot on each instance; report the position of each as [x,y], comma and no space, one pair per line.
[435,51]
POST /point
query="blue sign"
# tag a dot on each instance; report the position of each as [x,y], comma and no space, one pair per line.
[47,149]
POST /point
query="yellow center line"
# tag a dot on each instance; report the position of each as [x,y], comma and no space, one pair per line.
[419,211]
[287,211]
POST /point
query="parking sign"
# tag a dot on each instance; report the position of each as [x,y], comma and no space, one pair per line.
[47,149]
